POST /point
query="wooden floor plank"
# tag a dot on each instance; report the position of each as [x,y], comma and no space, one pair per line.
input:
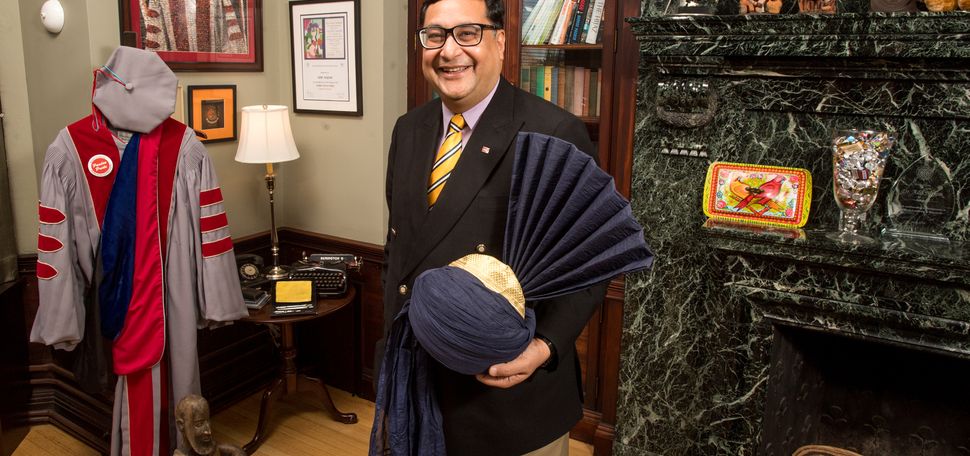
[298,427]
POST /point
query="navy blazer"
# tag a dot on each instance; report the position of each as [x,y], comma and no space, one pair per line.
[469,217]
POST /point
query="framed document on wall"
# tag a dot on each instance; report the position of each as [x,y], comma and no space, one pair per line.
[325,51]
[198,35]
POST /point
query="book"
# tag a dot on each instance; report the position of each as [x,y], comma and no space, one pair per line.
[549,23]
[578,82]
[530,21]
[586,100]
[539,81]
[561,86]
[547,82]
[535,29]
[255,298]
[593,93]
[594,22]
[570,83]
[562,22]
[554,87]
[589,16]
[579,16]
[525,82]
[533,21]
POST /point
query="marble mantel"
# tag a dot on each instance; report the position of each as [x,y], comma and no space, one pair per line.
[699,329]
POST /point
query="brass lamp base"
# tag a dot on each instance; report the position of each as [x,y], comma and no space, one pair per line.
[276,273]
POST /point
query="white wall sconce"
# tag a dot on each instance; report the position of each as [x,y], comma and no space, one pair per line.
[52,15]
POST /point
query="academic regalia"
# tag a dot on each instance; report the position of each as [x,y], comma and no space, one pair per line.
[134,247]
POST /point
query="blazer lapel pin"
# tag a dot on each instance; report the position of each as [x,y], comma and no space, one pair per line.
[486,149]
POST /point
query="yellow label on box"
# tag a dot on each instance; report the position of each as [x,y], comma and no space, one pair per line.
[759,194]
[294,291]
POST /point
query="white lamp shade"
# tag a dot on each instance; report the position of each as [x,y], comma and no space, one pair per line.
[265,135]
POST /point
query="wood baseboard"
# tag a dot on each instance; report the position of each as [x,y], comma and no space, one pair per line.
[56,399]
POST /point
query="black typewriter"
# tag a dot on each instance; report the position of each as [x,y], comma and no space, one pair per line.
[327,271]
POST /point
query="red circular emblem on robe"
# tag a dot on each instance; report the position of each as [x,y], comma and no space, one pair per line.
[100,165]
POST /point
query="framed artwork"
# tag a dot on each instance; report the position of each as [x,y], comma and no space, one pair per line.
[325,51]
[212,111]
[199,35]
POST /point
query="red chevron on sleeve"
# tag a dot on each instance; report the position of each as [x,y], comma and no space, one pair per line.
[45,271]
[217,247]
[48,244]
[214,222]
[49,215]
[210,197]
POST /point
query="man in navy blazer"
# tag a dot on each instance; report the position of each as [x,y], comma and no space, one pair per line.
[528,404]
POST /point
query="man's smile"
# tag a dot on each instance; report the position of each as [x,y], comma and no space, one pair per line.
[453,70]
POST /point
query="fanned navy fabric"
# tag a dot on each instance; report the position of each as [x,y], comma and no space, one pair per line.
[567,229]
[118,244]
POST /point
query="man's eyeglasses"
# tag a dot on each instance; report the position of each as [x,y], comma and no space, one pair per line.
[434,37]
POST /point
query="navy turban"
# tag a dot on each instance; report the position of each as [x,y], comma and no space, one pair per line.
[463,324]
[567,229]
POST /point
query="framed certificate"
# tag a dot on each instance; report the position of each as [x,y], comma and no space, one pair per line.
[325,51]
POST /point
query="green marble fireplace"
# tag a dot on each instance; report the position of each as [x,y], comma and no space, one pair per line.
[733,342]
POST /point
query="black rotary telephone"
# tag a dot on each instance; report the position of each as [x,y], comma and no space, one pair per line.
[250,267]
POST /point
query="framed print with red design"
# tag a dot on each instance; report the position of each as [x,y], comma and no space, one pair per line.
[196,35]
[759,194]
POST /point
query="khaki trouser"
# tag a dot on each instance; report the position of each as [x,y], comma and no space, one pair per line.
[558,447]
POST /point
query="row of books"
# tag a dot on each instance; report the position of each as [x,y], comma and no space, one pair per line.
[563,22]
[573,88]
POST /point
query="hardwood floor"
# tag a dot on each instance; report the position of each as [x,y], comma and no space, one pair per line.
[297,427]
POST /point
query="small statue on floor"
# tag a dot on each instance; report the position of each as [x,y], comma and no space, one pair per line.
[192,419]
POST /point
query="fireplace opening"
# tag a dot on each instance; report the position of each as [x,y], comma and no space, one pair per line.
[873,398]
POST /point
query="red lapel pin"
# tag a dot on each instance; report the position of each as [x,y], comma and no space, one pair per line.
[486,149]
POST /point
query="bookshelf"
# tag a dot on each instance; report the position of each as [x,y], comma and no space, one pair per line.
[605,101]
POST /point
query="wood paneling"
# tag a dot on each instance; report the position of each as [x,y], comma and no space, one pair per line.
[14,377]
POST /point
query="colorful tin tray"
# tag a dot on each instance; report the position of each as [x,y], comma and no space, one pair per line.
[764,195]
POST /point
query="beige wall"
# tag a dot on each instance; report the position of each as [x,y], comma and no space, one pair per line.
[335,188]
[18,136]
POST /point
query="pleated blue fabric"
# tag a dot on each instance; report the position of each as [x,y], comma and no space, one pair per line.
[464,325]
[567,229]
[118,244]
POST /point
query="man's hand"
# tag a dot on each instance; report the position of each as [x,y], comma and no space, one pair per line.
[507,375]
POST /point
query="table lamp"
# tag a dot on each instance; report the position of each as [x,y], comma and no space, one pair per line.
[265,137]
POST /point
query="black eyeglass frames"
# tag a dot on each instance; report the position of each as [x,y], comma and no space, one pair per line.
[434,37]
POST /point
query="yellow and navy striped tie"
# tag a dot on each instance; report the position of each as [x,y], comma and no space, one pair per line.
[446,159]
